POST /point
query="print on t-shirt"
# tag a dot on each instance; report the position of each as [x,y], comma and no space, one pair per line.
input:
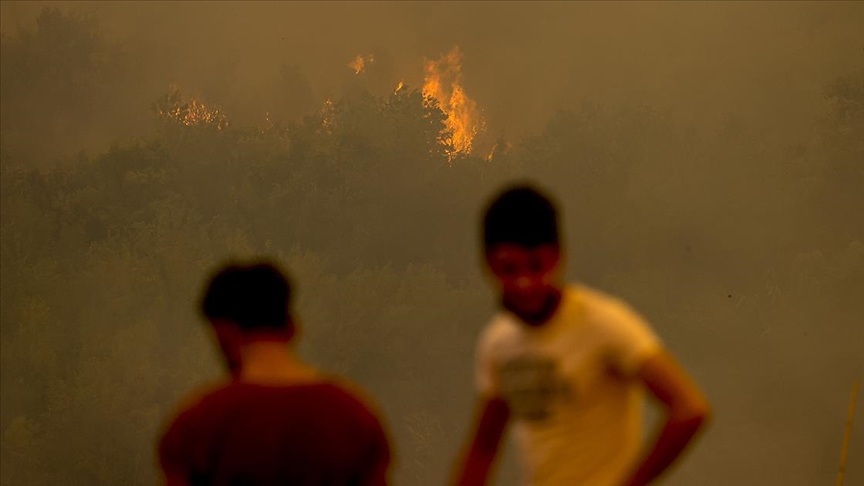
[532,384]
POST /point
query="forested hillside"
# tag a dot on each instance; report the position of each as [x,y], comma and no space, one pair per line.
[745,249]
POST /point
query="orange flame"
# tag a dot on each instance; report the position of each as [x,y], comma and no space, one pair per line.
[198,113]
[399,87]
[501,146]
[491,154]
[359,63]
[192,113]
[442,82]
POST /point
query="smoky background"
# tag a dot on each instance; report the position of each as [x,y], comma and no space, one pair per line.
[707,158]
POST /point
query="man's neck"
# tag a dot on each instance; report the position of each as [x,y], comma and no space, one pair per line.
[537,319]
[273,362]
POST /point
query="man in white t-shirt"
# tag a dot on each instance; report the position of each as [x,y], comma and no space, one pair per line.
[567,366]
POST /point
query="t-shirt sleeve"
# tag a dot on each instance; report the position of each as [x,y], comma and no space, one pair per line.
[485,375]
[631,339]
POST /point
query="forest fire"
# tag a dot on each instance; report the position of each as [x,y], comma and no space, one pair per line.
[442,86]
[501,147]
[327,116]
[198,113]
[702,158]
[192,113]
[359,63]
[442,82]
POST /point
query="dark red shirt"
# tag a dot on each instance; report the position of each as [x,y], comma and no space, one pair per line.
[250,434]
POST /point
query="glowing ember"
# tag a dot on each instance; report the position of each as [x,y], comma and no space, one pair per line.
[443,83]
[491,153]
[499,147]
[359,63]
[198,113]
[192,113]
[399,87]
[327,113]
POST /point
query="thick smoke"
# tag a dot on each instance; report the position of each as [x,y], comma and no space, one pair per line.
[708,158]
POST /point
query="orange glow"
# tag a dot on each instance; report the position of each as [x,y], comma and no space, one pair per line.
[442,83]
[399,87]
[491,153]
[498,148]
[327,113]
[198,113]
[359,63]
[192,113]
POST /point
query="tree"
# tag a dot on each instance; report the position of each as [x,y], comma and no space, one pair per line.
[61,83]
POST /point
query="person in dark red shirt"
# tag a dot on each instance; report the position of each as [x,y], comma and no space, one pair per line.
[275,420]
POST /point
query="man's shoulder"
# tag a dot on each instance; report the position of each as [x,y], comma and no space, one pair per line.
[616,319]
[198,398]
[601,304]
[185,416]
[593,296]
[354,396]
[331,394]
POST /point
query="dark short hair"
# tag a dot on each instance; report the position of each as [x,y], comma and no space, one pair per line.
[523,215]
[255,296]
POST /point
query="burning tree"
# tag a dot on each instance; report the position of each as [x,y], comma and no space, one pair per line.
[172,108]
[442,86]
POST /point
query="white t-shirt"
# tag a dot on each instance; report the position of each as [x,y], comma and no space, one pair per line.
[570,387]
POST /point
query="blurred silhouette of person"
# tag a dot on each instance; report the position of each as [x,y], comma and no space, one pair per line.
[275,420]
[567,365]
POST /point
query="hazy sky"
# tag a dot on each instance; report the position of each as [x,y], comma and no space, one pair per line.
[682,229]
[767,61]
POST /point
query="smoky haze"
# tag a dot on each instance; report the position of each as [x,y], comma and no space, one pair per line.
[523,63]
[707,158]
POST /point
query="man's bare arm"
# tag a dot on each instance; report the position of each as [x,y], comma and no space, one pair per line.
[687,412]
[476,462]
